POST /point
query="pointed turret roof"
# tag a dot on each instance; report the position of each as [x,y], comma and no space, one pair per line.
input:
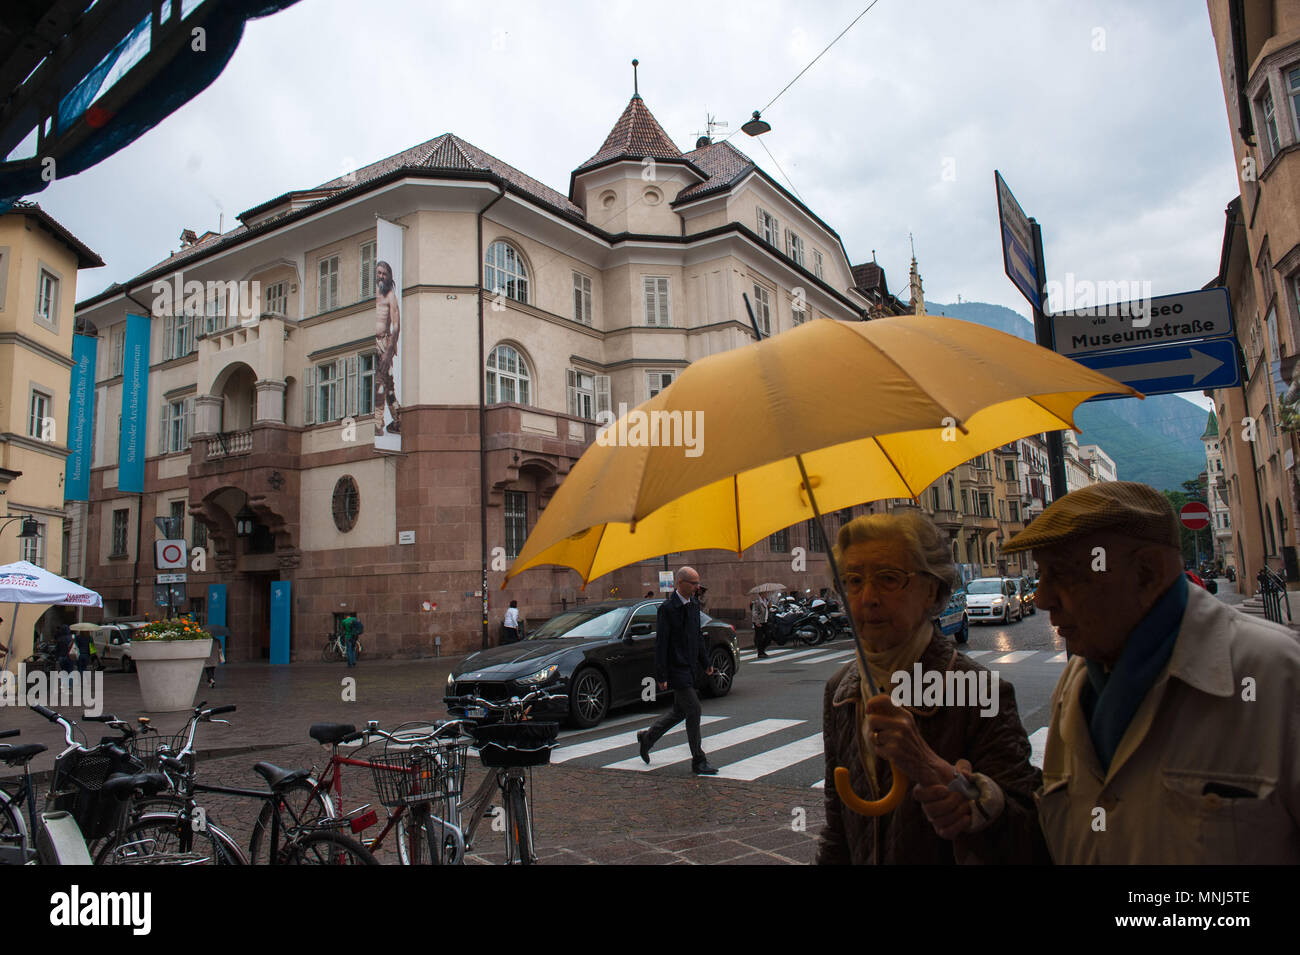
[637,134]
[1211,426]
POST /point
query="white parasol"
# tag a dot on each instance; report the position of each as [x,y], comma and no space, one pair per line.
[25,583]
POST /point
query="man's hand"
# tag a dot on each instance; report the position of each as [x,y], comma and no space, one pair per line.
[949,812]
[709,672]
[663,687]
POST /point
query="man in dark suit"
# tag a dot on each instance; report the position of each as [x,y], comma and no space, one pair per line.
[679,657]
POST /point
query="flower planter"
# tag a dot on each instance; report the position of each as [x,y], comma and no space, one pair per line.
[169,672]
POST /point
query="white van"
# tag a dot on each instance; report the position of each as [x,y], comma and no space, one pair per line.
[113,644]
[995,598]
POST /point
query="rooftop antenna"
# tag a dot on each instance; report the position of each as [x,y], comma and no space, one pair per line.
[636,92]
[711,127]
[912,244]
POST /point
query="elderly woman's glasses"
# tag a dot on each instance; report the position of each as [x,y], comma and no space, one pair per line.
[886,580]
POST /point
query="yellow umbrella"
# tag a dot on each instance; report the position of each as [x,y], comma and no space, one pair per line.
[854,411]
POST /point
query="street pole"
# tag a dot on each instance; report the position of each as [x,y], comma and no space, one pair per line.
[1045,336]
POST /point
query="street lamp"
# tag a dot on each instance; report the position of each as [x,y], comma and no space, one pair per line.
[757,126]
[31,527]
[244,521]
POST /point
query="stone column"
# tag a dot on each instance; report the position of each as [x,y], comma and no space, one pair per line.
[207,414]
[270,401]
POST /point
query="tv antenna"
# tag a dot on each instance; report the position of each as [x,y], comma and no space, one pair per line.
[712,126]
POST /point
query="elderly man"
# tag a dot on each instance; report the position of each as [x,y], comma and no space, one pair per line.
[679,657]
[1174,728]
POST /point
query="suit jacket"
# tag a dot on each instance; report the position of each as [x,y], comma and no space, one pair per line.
[1206,772]
[679,644]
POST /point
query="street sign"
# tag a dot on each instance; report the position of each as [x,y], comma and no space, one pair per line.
[1195,516]
[170,554]
[1169,369]
[1017,243]
[666,583]
[1161,320]
[167,595]
[173,578]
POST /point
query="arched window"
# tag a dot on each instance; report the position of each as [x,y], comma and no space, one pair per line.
[507,376]
[504,272]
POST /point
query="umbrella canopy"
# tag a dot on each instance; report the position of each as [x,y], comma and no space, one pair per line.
[871,410]
[85,627]
[767,589]
[25,583]
[827,415]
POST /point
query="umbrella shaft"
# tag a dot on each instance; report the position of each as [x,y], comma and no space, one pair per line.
[863,669]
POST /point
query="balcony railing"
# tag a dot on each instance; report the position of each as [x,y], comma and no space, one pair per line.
[228,444]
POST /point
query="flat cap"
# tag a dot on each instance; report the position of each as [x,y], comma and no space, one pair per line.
[1136,510]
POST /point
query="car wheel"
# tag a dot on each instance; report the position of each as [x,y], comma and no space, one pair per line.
[588,698]
[724,669]
[964,633]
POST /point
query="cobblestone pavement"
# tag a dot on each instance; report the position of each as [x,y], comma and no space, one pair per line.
[581,816]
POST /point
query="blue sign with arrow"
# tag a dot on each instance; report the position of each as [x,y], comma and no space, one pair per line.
[1169,369]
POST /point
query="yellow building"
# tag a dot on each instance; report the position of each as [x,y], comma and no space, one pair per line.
[39,260]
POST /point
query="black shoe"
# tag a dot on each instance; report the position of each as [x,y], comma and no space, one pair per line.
[643,744]
[702,768]
[762,655]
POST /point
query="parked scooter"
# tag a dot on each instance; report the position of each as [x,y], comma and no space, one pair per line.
[792,620]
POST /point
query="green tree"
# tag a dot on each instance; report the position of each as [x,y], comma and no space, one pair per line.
[1193,490]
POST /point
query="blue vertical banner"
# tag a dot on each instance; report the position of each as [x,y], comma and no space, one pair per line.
[217,609]
[135,405]
[81,419]
[280,593]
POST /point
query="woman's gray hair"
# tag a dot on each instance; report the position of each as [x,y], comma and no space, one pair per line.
[925,544]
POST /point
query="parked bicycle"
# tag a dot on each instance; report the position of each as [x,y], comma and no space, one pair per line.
[336,648]
[509,749]
[419,775]
[191,829]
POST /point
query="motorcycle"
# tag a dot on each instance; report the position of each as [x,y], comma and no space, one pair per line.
[792,620]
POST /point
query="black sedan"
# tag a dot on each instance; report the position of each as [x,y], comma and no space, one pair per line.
[600,655]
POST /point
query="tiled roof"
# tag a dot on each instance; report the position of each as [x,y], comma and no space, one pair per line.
[86,259]
[1211,426]
[723,163]
[637,134]
[869,276]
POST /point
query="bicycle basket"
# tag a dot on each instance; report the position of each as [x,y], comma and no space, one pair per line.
[413,772]
[506,745]
[78,788]
[145,748]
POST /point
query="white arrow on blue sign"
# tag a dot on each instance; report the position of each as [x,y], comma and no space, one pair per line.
[1169,369]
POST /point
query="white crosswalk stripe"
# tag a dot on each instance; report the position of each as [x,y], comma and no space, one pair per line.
[719,741]
[976,654]
[772,658]
[1015,656]
[1060,657]
[826,658]
[606,724]
[820,784]
[565,753]
[774,760]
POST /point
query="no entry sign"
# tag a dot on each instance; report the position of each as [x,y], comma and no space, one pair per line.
[170,554]
[1195,516]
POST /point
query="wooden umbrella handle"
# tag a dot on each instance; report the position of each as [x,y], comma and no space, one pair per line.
[864,807]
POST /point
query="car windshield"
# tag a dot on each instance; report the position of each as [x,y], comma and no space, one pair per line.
[990,586]
[592,622]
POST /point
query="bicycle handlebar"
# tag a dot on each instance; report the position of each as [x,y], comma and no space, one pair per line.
[534,696]
[5,734]
[53,717]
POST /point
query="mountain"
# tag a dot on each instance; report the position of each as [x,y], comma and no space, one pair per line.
[1156,441]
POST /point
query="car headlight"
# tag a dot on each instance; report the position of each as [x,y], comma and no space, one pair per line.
[541,676]
[996,601]
[451,680]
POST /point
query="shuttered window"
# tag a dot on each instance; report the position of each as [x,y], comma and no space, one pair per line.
[655,292]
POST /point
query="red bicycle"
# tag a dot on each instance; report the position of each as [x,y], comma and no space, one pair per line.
[418,778]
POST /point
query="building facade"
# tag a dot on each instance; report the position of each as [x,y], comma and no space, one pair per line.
[1258,47]
[39,261]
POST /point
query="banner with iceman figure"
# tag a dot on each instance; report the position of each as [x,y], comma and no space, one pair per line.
[388,336]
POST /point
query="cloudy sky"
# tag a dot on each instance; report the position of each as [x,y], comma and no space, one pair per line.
[1106,117]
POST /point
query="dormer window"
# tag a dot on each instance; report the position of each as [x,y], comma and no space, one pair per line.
[794,247]
[768,230]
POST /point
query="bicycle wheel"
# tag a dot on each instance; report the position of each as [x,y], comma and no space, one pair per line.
[331,652]
[327,848]
[156,840]
[301,804]
[519,827]
[13,831]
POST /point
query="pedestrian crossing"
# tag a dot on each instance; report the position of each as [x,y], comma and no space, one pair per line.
[758,746]
[826,655]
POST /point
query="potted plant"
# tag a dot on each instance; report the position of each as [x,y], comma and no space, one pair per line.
[169,655]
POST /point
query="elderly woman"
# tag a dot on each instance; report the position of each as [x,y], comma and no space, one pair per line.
[898,574]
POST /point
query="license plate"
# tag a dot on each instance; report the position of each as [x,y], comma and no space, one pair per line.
[475,712]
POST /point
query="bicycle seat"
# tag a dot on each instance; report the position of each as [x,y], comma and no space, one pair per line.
[121,786]
[13,754]
[276,777]
[330,732]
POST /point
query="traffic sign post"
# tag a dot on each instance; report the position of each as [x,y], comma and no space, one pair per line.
[1022,258]
[1195,516]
